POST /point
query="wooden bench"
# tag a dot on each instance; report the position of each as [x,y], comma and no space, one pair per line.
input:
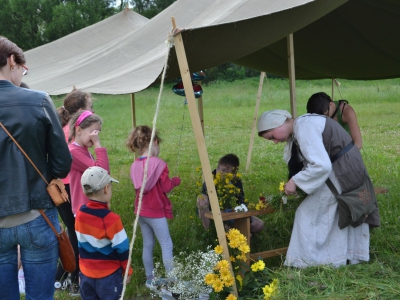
[242,223]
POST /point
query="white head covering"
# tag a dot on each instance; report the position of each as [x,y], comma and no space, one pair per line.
[272,119]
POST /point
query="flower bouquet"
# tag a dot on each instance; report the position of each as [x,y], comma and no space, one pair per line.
[226,187]
[252,282]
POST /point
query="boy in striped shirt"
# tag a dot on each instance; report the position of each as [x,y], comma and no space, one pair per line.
[102,240]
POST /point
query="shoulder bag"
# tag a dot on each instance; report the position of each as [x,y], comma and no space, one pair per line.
[356,205]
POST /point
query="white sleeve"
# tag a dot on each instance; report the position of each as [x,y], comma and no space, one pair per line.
[308,133]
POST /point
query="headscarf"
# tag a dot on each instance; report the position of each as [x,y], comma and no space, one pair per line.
[272,119]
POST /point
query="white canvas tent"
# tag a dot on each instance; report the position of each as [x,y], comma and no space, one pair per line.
[215,32]
[353,39]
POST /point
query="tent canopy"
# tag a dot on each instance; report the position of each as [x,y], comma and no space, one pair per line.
[331,39]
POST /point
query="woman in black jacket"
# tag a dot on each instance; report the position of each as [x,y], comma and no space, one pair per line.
[30,116]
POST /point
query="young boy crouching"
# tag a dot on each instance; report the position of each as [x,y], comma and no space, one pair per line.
[102,240]
[228,163]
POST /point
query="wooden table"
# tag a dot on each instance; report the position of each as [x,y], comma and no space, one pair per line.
[242,223]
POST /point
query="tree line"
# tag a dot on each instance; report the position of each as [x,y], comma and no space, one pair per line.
[32,23]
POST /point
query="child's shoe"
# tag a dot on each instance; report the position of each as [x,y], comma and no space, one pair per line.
[156,282]
[21,281]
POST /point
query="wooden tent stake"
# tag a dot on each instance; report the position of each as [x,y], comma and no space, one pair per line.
[260,85]
[201,145]
[292,76]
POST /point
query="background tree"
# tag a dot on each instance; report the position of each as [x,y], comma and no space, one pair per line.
[150,8]
[32,23]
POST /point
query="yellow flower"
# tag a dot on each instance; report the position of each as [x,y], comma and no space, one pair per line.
[231,297]
[218,285]
[258,266]
[198,169]
[225,274]
[244,248]
[229,281]
[282,186]
[222,264]
[270,290]
[232,258]
[210,278]
[218,249]
[240,280]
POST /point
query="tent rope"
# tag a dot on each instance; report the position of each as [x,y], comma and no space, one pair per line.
[337,83]
[170,43]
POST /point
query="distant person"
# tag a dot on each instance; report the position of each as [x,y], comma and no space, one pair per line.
[156,208]
[31,118]
[316,237]
[341,111]
[103,243]
[228,163]
[74,101]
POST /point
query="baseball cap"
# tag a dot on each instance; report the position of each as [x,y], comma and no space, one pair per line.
[272,119]
[94,179]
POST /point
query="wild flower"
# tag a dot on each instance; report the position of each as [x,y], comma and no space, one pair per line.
[189,278]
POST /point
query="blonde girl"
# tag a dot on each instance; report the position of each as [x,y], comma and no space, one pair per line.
[156,208]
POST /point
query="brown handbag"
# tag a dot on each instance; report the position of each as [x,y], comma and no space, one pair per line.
[56,188]
[66,252]
[58,194]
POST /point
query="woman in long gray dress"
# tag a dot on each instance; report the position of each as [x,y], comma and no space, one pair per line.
[316,237]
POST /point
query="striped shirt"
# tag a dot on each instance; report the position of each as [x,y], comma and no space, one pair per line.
[102,240]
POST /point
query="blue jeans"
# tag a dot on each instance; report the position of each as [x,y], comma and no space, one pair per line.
[106,288]
[39,256]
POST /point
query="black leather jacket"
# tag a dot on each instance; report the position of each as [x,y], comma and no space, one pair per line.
[30,116]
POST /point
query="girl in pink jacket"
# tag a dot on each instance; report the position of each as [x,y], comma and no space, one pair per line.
[155,205]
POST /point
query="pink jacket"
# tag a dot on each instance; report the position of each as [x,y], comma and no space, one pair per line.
[155,203]
[81,160]
[66,133]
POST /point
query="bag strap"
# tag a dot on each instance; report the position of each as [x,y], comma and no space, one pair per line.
[48,222]
[332,187]
[22,150]
[341,152]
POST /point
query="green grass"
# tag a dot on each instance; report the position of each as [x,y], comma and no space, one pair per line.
[228,116]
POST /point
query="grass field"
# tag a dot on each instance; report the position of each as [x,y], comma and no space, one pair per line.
[228,115]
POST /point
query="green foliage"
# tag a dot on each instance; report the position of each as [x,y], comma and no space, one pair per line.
[228,117]
[150,8]
[32,23]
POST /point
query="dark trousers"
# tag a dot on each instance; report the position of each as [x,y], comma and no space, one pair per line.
[65,212]
[106,288]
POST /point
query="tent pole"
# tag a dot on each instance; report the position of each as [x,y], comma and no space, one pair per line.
[292,75]
[133,107]
[201,145]
[253,129]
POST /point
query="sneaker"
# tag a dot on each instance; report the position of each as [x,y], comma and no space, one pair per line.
[21,281]
[63,285]
[74,290]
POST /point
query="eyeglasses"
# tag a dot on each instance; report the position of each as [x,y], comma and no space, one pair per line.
[24,70]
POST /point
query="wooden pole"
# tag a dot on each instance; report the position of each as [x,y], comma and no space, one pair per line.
[133,107]
[292,76]
[333,87]
[260,85]
[201,145]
